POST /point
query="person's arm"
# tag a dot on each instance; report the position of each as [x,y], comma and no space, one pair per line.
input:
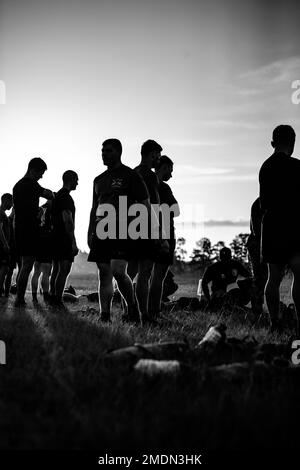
[47,194]
[70,229]
[3,239]
[205,281]
[92,218]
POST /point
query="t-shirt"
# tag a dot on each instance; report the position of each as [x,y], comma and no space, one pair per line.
[26,194]
[221,274]
[120,181]
[166,197]
[151,182]
[279,178]
[4,223]
[62,202]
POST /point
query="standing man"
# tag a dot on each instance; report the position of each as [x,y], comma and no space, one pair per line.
[170,208]
[26,194]
[279,179]
[111,253]
[147,250]
[64,242]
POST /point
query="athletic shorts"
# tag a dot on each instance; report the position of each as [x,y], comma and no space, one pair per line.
[280,241]
[45,251]
[4,257]
[26,242]
[103,251]
[62,250]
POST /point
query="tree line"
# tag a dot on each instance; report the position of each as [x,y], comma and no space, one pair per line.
[205,253]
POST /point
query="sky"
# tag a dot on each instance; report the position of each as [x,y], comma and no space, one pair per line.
[208,80]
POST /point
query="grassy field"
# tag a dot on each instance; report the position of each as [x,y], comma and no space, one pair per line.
[57,391]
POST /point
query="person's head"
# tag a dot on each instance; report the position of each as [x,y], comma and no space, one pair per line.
[111,152]
[225,254]
[70,180]
[36,168]
[283,139]
[164,168]
[6,201]
[150,152]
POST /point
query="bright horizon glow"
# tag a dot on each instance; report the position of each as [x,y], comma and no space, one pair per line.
[209,83]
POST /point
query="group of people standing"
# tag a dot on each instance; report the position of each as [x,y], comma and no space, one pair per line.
[44,237]
[40,237]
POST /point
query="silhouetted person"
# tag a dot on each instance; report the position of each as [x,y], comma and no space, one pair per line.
[112,253]
[26,194]
[279,179]
[221,274]
[5,235]
[163,171]
[64,241]
[43,263]
[259,268]
[147,250]
[14,259]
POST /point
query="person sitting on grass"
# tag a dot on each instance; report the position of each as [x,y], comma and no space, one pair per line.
[221,274]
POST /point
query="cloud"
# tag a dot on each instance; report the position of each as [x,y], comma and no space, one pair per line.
[226,223]
[189,175]
[276,72]
[193,143]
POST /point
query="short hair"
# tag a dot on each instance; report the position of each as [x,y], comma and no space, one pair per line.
[69,175]
[150,146]
[164,160]
[6,197]
[225,252]
[37,164]
[114,143]
[283,134]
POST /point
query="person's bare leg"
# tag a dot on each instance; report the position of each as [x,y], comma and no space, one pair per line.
[8,279]
[61,278]
[26,267]
[142,286]
[46,271]
[156,287]
[37,269]
[295,267]
[105,289]
[3,273]
[53,277]
[126,289]
[132,268]
[275,275]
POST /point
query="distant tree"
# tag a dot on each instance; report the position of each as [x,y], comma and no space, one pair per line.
[180,253]
[239,249]
[201,255]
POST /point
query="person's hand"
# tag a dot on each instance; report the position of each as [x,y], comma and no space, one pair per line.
[75,249]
